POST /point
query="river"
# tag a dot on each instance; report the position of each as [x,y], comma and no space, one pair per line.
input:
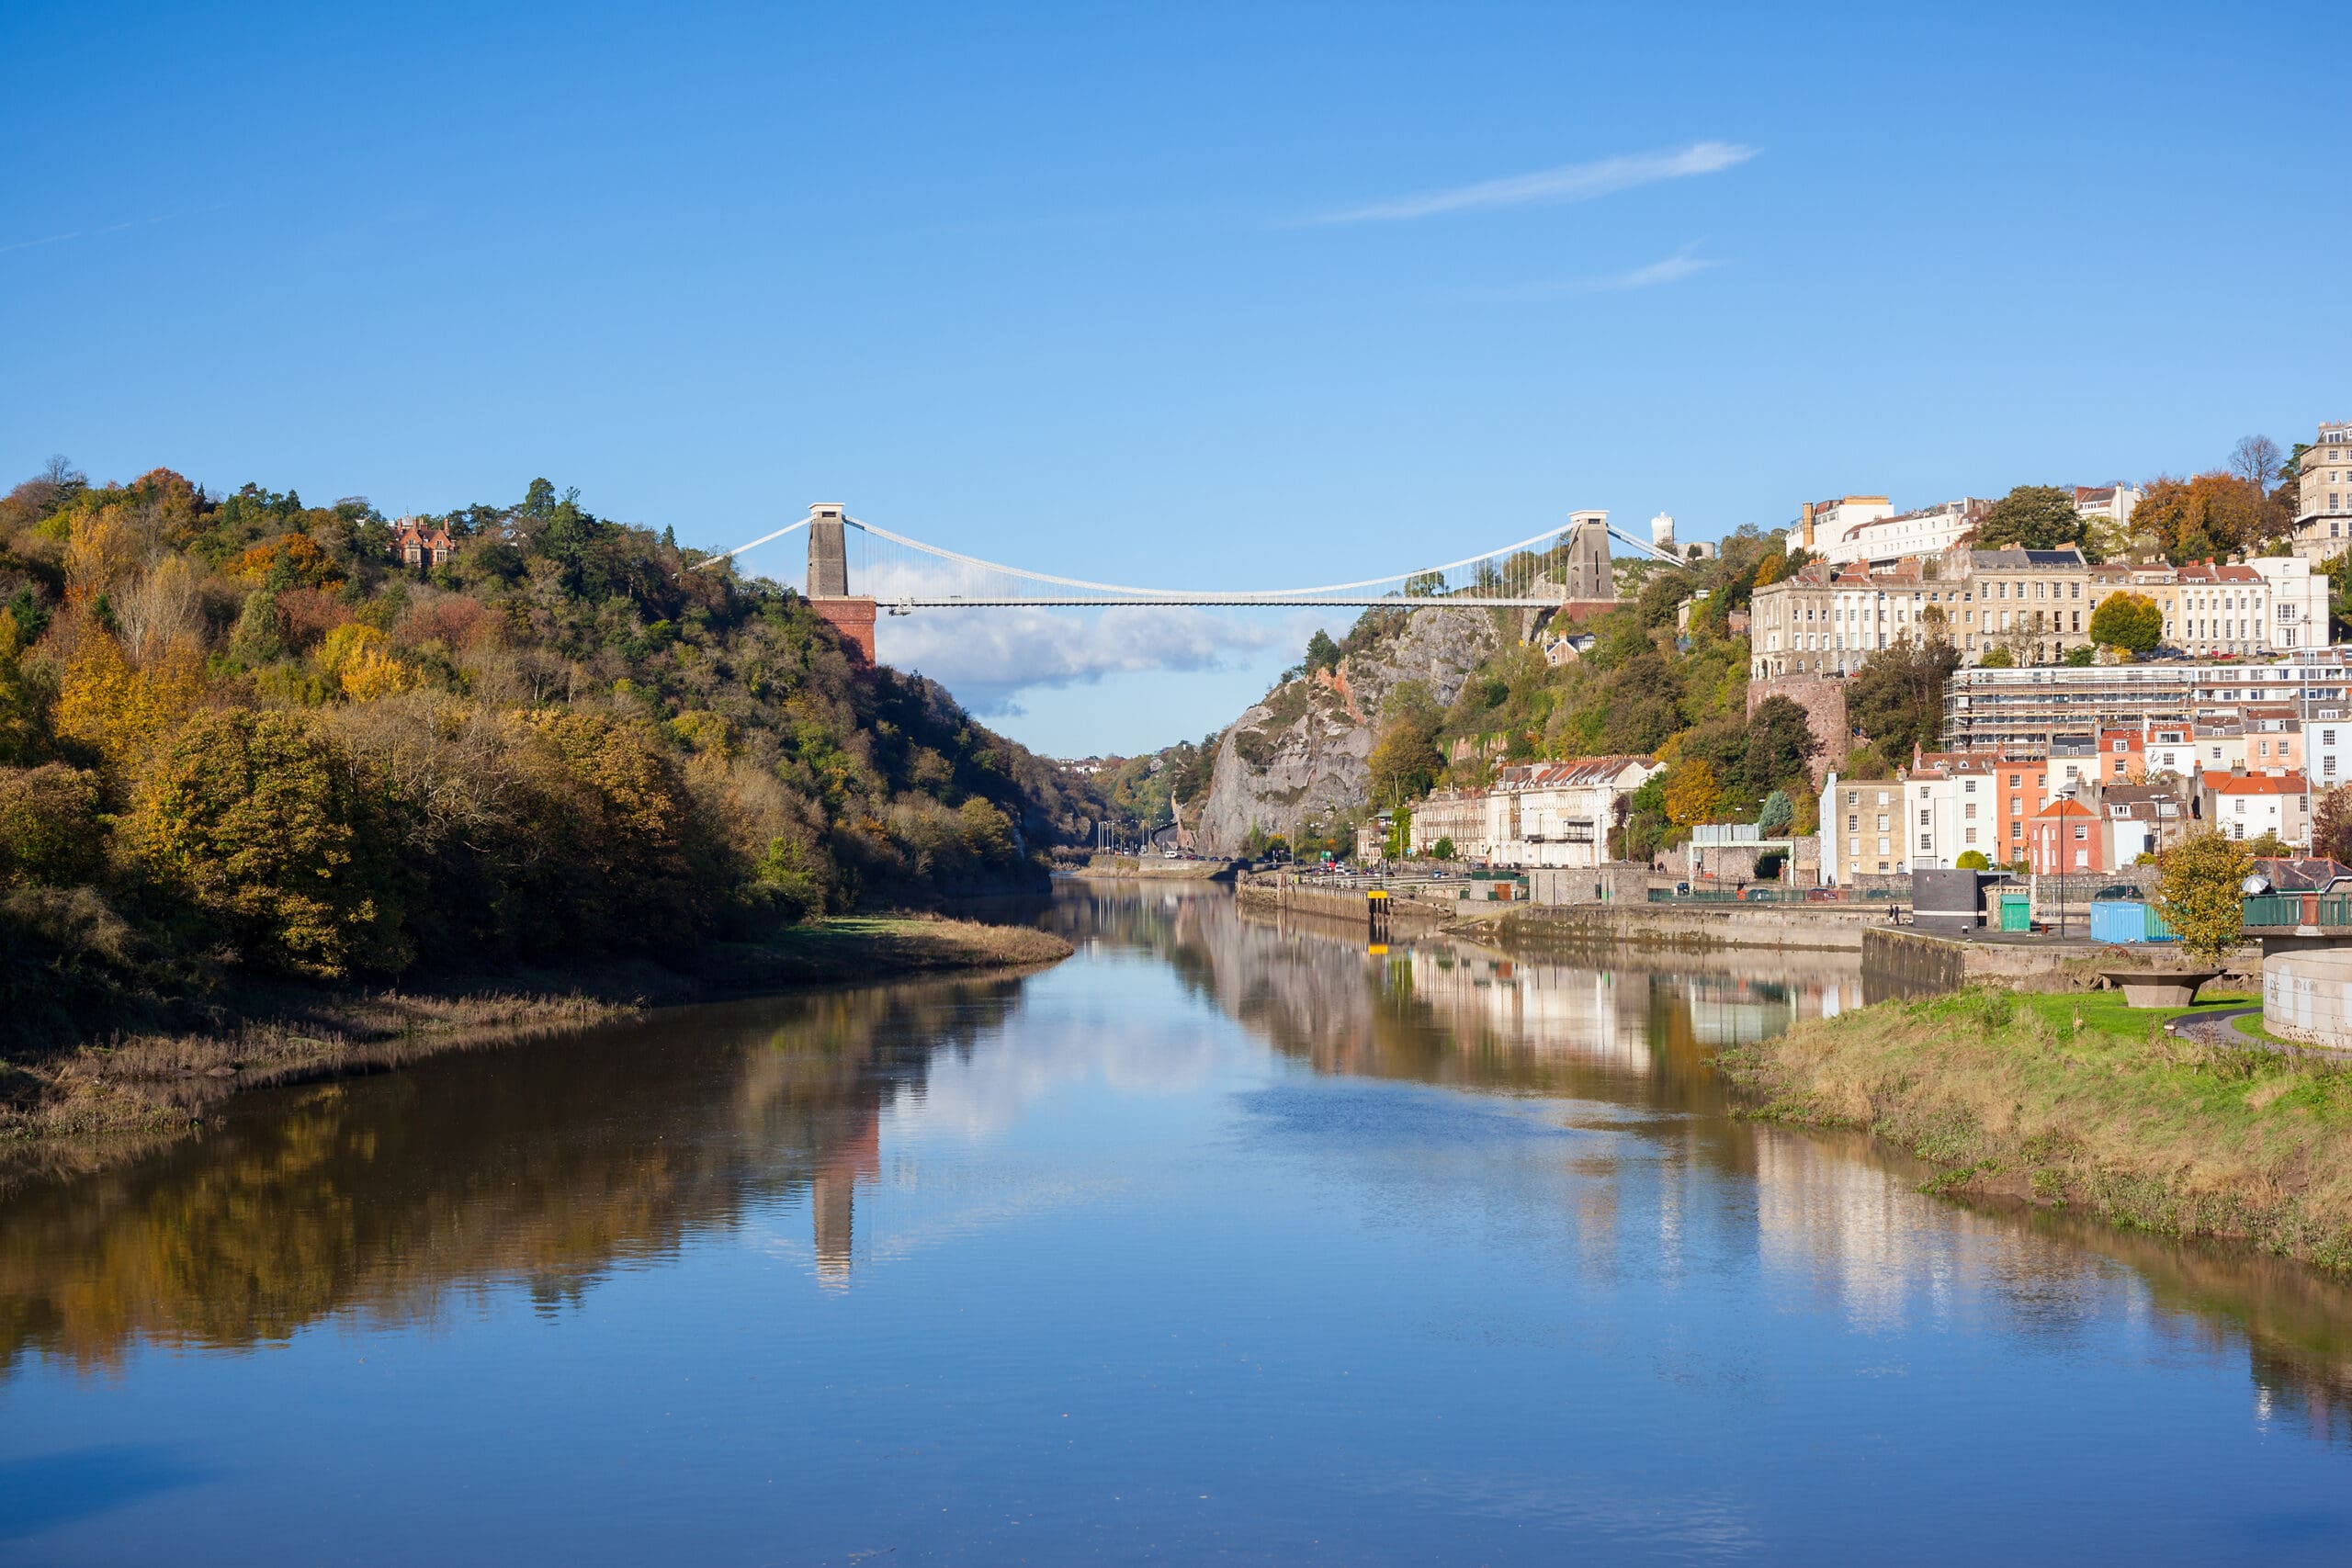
[1221,1240]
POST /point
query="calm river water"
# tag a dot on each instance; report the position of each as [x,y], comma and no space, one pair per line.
[1220,1240]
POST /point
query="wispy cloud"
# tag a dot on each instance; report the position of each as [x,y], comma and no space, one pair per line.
[1570,182]
[1672,269]
[93,233]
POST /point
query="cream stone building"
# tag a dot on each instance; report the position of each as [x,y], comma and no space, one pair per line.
[2324,509]
[1559,813]
[1459,815]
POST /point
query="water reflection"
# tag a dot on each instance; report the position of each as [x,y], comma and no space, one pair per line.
[550,1168]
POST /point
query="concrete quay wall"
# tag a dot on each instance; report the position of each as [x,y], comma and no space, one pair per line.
[2308,996]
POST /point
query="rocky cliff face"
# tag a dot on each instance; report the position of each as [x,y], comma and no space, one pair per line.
[1303,751]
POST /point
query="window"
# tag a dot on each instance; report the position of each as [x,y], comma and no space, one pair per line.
[1927,843]
[1968,812]
[2082,831]
[2017,831]
[2082,859]
[2122,745]
[1854,824]
[1923,817]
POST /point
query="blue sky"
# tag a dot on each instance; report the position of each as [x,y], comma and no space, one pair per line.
[1226,294]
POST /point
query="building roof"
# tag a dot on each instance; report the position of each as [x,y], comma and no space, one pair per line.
[2288,783]
[2296,875]
[1578,770]
[2012,558]
[2064,805]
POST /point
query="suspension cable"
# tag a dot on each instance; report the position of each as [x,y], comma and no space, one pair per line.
[1169,593]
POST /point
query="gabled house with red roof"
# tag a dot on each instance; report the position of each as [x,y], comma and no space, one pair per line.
[415,543]
[2246,805]
[2065,837]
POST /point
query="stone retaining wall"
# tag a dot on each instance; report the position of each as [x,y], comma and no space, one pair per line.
[2308,996]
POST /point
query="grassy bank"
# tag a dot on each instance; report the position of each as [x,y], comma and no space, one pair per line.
[81,1106]
[2074,1101]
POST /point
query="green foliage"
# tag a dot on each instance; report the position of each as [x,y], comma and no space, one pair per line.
[1781,743]
[1322,653]
[1897,696]
[2132,621]
[1973,860]
[1443,849]
[2081,657]
[2034,517]
[1999,656]
[50,826]
[1778,813]
[2199,892]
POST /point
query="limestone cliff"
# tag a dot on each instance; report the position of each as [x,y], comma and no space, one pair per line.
[1303,751]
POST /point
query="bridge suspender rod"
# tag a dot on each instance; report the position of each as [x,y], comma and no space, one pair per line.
[1167,595]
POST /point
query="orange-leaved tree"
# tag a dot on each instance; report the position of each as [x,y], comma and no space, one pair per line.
[1693,795]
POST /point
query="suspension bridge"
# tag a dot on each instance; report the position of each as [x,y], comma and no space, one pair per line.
[850,559]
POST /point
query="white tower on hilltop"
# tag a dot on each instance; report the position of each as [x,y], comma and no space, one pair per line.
[1662,533]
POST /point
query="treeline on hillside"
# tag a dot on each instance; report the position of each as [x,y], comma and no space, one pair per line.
[1646,688]
[234,730]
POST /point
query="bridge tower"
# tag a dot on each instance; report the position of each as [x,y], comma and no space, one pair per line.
[1588,574]
[828,593]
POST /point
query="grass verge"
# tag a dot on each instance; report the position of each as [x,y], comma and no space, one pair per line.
[2072,1099]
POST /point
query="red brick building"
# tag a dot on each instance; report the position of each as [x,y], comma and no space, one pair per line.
[416,545]
[2065,837]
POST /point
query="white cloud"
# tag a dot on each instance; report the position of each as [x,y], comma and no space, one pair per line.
[1673,269]
[985,657]
[1570,182]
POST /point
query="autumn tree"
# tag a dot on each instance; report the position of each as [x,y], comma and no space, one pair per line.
[117,710]
[269,829]
[1693,795]
[2033,517]
[2132,621]
[1405,759]
[48,826]
[2198,892]
[2210,516]
[2332,825]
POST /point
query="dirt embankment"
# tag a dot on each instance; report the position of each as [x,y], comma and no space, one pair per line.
[2071,1100]
[84,1105]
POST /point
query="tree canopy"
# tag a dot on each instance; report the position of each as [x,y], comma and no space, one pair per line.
[2209,517]
[2034,517]
[2132,621]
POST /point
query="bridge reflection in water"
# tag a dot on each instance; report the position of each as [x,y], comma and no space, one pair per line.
[551,1167]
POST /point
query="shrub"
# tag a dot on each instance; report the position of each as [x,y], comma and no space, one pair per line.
[49,825]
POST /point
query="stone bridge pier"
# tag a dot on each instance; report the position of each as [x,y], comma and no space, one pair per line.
[829,594]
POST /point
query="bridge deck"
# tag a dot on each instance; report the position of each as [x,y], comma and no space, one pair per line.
[1393,602]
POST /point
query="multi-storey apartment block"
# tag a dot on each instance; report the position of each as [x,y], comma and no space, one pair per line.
[1883,541]
[2029,712]
[2324,507]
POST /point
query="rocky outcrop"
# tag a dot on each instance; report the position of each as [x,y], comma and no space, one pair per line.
[1303,751]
